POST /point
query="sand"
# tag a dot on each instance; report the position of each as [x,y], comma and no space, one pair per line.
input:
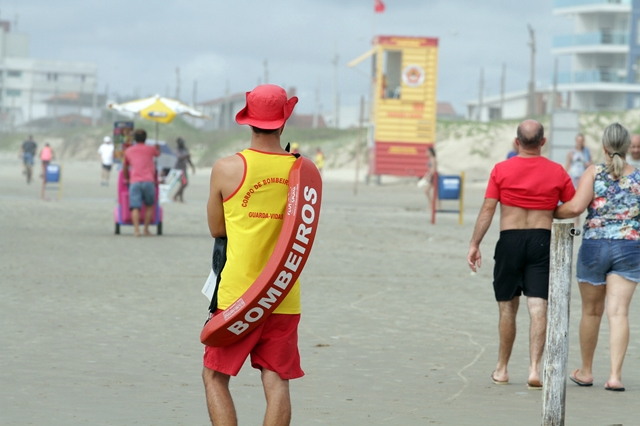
[104,330]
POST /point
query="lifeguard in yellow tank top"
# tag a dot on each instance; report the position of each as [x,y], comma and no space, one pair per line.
[253,219]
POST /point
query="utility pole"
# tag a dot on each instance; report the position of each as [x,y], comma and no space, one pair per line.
[317,106]
[554,101]
[266,72]
[480,92]
[531,109]
[195,92]
[177,83]
[502,84]
[336,121]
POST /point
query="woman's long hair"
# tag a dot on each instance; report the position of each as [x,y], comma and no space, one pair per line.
[616,141]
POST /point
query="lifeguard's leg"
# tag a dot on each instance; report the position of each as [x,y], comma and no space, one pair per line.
[276,391]
[507,330]
[592,310]
[537,334]
[219,402]
[619,294]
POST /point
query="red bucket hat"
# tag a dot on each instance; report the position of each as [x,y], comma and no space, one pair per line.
[267,107]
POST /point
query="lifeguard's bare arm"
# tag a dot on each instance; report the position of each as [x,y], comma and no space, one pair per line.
[226,176]
[488,209]
[215,210]
[581,200]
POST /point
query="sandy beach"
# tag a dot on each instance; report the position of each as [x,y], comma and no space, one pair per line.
[103,329]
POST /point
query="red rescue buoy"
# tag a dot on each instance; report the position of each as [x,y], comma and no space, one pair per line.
[284,266]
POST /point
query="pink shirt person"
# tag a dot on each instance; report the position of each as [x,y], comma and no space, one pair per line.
[140,157]
[46,154]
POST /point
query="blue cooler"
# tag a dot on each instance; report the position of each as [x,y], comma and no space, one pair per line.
[53,173]
[449,187]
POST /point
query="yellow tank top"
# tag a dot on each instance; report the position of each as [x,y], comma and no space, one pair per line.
[253,218]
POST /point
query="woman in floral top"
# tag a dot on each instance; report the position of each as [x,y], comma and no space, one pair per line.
[608,267]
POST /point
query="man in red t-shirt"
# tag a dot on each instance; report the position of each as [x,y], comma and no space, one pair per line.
[142,178]
[528,188]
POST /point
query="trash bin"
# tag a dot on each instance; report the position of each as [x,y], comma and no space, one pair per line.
[449,187]
[53,173]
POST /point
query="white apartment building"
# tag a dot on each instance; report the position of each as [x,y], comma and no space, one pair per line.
[27,85]
[602,75]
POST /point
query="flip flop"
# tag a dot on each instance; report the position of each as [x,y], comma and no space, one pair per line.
[609,388]
[498,382]
[577,381]
[534,385]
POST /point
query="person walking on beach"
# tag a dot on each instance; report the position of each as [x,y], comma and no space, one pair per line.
[319,160]
[28,153]
[183,158]
[139,170]
[106,157]
[608,268]
[432,172]
[273,344]
[578,159]
[46,155]
[634,152]
[528,188]
[513,152]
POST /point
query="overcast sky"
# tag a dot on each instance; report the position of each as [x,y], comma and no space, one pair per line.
[138,44]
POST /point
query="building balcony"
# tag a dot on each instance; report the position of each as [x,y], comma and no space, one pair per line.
[593,76]
[591,39]
[561,7]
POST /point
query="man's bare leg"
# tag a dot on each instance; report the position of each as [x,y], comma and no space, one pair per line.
[507,330]
[276,391]
[537,335]
[592,310]
[135,218]
[147,219]
[219,402]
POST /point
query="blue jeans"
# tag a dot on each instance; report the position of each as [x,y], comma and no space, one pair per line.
[140,192]
[599,258]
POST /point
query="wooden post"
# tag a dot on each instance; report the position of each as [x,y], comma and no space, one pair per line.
[358,144]
[557,343]
[461,205]
[436,178]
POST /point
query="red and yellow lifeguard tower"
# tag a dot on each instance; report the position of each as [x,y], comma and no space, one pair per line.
[403,104]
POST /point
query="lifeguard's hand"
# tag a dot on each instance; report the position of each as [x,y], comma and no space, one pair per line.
[474,258]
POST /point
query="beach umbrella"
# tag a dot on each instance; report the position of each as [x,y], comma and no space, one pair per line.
[157,108]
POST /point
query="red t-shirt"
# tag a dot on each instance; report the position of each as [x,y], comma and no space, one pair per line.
[140,157]
[534,183]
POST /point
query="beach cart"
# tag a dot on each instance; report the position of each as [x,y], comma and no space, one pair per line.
[122,214]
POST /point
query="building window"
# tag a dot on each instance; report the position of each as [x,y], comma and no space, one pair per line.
[392,76]
[638,32]
[52,76]
[636,70]
[14,73]
[13,92]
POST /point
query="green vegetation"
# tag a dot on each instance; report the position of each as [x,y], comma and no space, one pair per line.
[339,146]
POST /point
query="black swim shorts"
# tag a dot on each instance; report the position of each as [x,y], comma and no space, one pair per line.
[522,264]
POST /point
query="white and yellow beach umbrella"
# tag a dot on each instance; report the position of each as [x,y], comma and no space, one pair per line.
[157,108]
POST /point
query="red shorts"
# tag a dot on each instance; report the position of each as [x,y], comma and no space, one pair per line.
[272,345]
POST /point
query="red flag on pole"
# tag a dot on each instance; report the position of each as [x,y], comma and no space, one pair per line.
[378,6]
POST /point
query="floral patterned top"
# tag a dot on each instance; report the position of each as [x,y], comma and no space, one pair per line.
[614,212]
